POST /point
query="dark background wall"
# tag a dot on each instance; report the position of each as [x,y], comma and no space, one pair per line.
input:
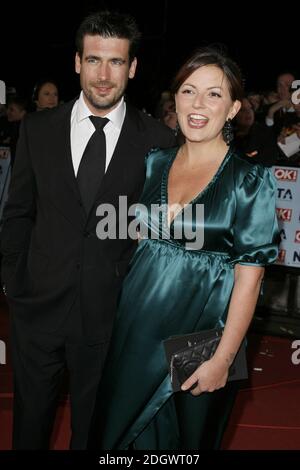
[38,40]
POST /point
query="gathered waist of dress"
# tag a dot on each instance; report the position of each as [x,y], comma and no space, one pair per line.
[166,245]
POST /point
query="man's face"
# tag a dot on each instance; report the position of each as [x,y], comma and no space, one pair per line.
[104,71]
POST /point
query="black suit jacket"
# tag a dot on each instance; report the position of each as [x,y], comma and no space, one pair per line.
[51,252]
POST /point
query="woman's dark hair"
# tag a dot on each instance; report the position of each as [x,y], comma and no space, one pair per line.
[211,56]
[110,25]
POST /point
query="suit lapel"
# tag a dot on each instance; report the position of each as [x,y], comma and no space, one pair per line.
[127,143]
[62,167]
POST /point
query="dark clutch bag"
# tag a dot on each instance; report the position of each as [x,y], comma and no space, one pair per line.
[186,353]
[186,361]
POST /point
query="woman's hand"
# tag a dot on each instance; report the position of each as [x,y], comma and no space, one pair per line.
[213,374]
[210,376]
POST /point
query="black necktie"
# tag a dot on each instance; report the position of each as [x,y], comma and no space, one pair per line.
[92,165]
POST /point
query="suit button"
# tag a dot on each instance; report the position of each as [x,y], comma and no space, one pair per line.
[87,234]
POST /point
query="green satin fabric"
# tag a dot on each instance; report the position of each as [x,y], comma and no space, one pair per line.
[172,290]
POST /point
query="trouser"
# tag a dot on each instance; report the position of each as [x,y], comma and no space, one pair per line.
[39,361]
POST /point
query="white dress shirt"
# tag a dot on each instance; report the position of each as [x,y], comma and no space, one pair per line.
[82,129]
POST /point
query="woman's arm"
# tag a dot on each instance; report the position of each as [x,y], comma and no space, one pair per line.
[213,374]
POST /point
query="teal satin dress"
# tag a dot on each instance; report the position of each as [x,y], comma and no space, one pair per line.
[173,290]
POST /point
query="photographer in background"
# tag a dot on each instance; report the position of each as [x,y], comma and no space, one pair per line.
[253,138]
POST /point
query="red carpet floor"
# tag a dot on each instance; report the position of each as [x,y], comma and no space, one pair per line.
[266,415]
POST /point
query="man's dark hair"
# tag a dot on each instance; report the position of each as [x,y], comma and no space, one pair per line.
[110,25]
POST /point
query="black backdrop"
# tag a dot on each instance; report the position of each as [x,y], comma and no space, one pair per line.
[37,39]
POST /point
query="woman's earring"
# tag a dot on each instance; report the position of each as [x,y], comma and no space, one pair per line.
[176,130]
[227,132]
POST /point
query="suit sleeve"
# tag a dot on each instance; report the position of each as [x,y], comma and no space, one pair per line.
[20,209]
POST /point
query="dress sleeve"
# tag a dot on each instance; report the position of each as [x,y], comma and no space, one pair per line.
[255,230]
[153,152]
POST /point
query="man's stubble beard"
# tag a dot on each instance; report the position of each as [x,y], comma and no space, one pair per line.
[100,103]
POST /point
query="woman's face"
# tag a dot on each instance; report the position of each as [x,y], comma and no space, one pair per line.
[48,96]
[203,104]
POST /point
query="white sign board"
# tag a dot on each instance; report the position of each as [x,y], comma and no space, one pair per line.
[288,213]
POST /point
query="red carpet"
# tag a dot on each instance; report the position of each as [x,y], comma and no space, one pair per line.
[266,414]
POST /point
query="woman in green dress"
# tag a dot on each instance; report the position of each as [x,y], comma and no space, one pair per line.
[176,286]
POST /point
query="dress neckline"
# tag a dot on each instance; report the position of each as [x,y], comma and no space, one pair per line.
[165,180]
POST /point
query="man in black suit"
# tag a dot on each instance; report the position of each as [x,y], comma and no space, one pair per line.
[61,280]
